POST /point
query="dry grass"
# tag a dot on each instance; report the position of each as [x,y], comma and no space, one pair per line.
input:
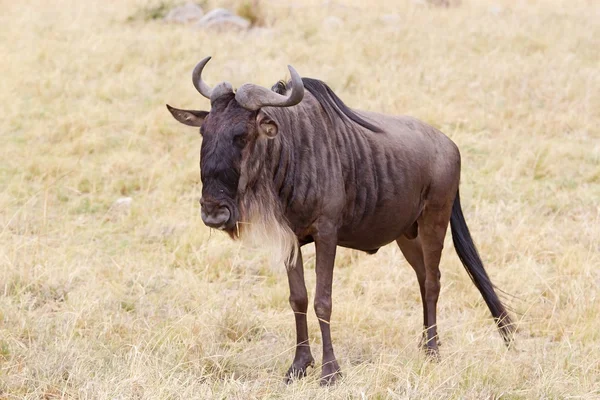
[101,302]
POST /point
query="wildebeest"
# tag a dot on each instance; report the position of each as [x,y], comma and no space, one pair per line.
[296,165]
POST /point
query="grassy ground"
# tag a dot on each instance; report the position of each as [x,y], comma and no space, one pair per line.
[102,301]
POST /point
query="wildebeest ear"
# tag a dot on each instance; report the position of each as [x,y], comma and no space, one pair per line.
[188,117]
[266,126]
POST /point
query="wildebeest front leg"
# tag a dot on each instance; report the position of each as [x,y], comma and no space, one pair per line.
[299,302]
[325,251]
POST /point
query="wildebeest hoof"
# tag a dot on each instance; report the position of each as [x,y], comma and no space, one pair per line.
[330,373]
[433,354]
[423,342]
[298,369]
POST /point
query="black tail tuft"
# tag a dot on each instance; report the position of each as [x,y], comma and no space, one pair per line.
[469,256]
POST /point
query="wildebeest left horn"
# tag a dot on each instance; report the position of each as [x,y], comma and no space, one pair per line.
[253,97]
[199,84]
[203,88]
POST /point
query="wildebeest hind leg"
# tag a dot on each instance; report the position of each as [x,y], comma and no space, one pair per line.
[433,224]
[299,303]
[413,252]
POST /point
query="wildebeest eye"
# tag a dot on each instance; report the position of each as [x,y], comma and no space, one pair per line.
[240,140]
[239,137]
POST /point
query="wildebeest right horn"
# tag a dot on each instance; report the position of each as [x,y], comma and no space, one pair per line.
[253,97]
[203,88]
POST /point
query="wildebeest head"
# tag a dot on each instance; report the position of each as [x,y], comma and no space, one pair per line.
[229,131]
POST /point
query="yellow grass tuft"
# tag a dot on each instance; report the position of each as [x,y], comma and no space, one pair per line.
[141,301]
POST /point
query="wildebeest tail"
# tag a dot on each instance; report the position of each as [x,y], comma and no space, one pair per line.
[469,256]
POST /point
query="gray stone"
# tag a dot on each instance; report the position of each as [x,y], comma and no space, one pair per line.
[222,19]
[123,201]
[332,23]
[122,204]
[187,13]
[121,207]
[390,19]
[216,14]
[496,9]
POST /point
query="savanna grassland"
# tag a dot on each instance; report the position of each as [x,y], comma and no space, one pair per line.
[105,300]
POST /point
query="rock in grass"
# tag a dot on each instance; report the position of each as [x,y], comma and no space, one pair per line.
[333,23]
[496,9]
[185,14]
[391,19]
[222,20]
[122,205]
[123,201]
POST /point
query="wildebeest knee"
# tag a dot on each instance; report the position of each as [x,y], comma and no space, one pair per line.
[323,308]
[432,289]
[299,303]
[433,285]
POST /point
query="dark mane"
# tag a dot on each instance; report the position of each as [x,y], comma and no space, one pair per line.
[280,87]
[329,101]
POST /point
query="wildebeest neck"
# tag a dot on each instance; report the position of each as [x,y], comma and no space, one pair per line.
[295,168]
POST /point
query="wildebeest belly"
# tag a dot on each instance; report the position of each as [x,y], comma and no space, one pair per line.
[380,228]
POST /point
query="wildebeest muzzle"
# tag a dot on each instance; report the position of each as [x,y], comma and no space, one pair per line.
[217,214]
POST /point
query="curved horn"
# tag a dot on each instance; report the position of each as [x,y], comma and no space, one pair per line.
[199,84]
[253,97]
